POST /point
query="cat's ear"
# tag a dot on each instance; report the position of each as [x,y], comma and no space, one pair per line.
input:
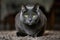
[23,8]
[36,7]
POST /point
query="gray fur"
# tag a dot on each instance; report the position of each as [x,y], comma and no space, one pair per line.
[21,27]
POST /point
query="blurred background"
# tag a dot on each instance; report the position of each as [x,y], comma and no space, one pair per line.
[9,9]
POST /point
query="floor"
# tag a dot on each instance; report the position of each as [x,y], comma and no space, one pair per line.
[48,35]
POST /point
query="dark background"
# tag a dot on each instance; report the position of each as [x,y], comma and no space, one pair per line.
[9,9]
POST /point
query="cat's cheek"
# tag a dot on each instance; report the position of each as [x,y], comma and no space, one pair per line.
[25,21]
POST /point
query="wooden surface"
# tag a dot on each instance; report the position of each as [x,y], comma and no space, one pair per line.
[11,35]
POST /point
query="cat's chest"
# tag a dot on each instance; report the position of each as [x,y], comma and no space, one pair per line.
[30,29]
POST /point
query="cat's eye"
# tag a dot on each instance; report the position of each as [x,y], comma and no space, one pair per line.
[26,16]
[34,16]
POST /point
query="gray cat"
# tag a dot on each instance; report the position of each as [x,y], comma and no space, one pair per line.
[30,21]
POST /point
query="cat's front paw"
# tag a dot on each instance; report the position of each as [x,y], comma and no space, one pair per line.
[21,34]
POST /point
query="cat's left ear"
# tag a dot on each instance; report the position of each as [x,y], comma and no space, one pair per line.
[36,7]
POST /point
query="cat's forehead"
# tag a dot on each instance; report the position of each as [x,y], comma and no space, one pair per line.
[29,7]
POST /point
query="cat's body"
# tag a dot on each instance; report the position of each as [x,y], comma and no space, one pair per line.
[30,21]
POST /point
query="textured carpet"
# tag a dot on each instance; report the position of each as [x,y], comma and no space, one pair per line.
[48,35]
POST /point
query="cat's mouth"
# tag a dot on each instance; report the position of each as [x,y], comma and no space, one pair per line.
[30,23]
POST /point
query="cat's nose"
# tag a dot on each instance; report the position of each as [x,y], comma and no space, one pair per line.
[30,19]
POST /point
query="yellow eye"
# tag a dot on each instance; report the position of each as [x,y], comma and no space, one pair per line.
[26,16]
[34,16]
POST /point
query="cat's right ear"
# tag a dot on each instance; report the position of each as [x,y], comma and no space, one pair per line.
[23,8]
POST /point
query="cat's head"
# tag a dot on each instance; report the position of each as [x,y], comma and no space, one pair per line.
[29,14]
